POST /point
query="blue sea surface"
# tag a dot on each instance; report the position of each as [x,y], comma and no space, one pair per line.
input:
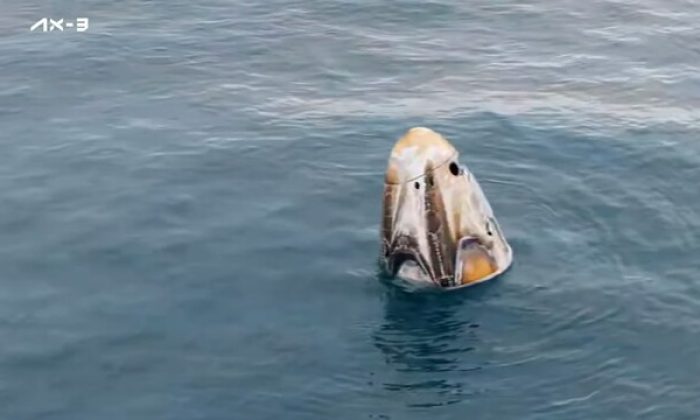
[190,196]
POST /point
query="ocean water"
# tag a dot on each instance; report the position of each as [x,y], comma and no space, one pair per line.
[190,200]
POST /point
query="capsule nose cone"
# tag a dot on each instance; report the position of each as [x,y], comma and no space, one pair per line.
[419,148]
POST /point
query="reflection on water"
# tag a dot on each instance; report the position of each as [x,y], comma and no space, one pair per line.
[430,339]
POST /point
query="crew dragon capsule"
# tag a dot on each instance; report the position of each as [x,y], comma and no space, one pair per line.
[438,228]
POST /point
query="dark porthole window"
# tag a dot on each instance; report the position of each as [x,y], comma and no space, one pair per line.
[454,169]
